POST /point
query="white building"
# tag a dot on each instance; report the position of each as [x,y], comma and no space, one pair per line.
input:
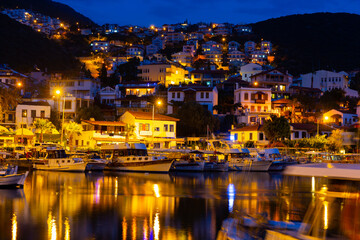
[259,57]
[233,46]
[27,112]
[205,96]
[249,47]
[236,56]
[211,46]
[256,104]
[327,81]
[340,118]
[184,58]
[135,51]
[249,70]
[100,46]
[266,47]
[108,95]
[214,56]
[151,49]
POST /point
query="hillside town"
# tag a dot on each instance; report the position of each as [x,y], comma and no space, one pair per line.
[144,79]
[179,120]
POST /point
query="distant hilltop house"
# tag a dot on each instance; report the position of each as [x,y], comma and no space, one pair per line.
[100,46]
[205,96]
[327,81]
[37,21]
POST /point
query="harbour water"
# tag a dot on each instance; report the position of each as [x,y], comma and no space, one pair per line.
[113,205]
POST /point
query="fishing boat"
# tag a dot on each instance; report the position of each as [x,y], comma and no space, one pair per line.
[241,160]
[95,163]
[10,177]
[52,159]
[134,158]
[278,162]
[244,226]
[192,163]
[215,163]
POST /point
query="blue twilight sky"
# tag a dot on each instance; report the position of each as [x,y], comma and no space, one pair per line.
[158,12]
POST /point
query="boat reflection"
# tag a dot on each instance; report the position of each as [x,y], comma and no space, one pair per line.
[60,205]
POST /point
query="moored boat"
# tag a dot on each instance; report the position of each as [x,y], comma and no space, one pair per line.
[95,163]
[278,162]
[10,178]
[134,158]
[243,161]
[192,162]
[58,160]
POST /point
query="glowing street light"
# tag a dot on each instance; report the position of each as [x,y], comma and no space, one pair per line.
[158,102]
[58,92]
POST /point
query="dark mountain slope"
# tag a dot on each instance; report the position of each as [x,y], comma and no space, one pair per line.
[49,8]
[314,41]
[22,48]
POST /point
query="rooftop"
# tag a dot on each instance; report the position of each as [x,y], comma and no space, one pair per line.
[149,116]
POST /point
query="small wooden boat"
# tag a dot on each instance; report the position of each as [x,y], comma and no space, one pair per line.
[58,160]
[133,158]
[11,179]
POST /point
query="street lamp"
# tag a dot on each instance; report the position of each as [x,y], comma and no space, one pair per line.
[158,102]
[318,119]
[58,92]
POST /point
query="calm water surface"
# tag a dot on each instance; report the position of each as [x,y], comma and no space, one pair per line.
[55,205]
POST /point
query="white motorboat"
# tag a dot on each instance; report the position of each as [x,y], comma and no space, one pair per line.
[58,160]
[191,162]
[243,161]
[134,158]
[278,162]
[10,178]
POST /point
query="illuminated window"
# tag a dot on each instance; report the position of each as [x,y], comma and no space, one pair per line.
[24,113]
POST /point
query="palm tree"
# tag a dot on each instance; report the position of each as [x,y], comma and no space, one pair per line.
[8,100]
[129,131]
[70,129]
[44,126]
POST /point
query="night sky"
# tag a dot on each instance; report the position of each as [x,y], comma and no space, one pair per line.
[158,12]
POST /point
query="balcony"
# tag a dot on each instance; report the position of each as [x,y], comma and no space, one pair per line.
[260,101]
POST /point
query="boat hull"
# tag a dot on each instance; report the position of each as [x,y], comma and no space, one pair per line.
[216,167]
[253,166]
[188,166]
[145,166]
[95,166]
[76,167]
[13,180]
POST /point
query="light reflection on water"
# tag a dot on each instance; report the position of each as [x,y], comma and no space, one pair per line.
[146,206]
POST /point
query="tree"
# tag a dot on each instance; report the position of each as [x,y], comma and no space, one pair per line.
[335,142]
[71,129]
[129,71]
[44,126]
[355,82]
[85,113]
[103,75]
[195,120]
[8,100]
[55,119]
[332,99]
[129,131]
[277,128]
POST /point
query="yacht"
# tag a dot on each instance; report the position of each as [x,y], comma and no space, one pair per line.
[241,160]
[52,159]
[134,158]
[192,162]
[278,162]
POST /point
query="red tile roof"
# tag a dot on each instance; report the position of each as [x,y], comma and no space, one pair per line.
[250,128]
[149,116]
[105,123]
